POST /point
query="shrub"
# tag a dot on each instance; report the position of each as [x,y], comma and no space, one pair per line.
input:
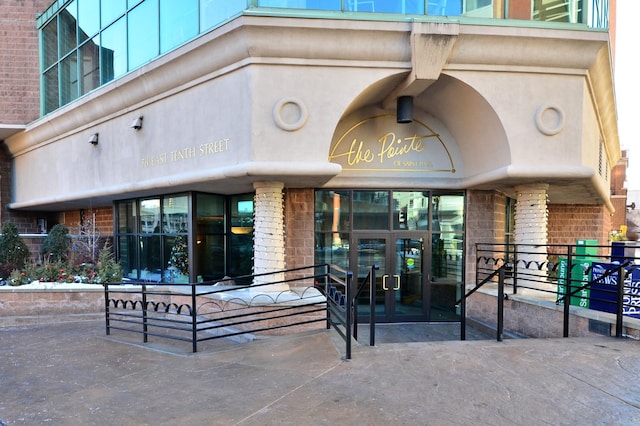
[109,271]
[56,245]
[12,249]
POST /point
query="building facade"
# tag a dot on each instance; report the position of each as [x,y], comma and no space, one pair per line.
[271,134]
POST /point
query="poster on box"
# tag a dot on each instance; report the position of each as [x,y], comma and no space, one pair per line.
[604,289]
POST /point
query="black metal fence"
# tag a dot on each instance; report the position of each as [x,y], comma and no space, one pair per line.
[585,275]
[198,312]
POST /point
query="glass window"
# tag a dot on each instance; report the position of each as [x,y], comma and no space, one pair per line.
[151,258]
[175,213]
[51,91]
[371,210]
[113,58]
[110,10]
[178,22]
[214,12]
[444,8]
[240,244]
[127,217]
[447,257]
[67,30]
[150,216]
[88,19]
[69,78]
[448,213]
[210,247]
[410,210]
[50,44]
[143,33]
[128,256]
[176,255]
[90,63]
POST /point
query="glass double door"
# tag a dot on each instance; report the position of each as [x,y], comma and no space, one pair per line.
[401,291]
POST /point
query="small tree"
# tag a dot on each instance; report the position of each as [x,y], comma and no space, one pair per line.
[109,271]
[56,245]
[13,250]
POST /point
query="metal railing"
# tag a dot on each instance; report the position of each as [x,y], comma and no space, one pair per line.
[368,282]
[199,312]
[589,276]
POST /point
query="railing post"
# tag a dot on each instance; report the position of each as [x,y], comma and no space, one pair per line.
[620,301]
[144,313]
[567,293]
[327,278]
[349,313]
[106,309]
[194,317]
[500,325]
[372,306]
[463,314]
[514,271]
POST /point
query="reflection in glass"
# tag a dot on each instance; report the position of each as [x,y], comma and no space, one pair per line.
[448,213]
[143,34]
[67,30]
[240,242]
[210,229]
[214,12]
[110,10]
[127,217]
[113,55]
[175,212]
[447,257]
[127,256]
[50,44]
[176,255]
[178,22]
[69,78]
[332,219]
[410,210]
[90,63]
[371,210]
[51,91]
[88,19]
[150,216]
[151,258]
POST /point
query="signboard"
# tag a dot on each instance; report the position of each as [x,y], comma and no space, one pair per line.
[604,292]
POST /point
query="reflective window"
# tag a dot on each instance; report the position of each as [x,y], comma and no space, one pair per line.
[371,210]
[127,217]
[240,243]
[332,227]
[143,33]
[214,12]
[51,91]
[175,213]
[88,19]
[69,79]
[90,63]
[113,53]
[210,238]
[50,44]
[150,216]
[410,210]
[110,10]
[67,29]
[178,22]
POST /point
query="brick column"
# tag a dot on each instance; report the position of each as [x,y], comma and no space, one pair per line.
[268,235]
[530,232]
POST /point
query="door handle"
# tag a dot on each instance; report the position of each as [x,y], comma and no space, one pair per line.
[384,282]
[397,279]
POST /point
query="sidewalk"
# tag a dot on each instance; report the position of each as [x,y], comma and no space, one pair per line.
[73,374]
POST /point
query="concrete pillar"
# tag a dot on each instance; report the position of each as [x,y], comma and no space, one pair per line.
[268,235]
[530,231]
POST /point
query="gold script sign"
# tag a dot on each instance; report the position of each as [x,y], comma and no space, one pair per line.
[381,144]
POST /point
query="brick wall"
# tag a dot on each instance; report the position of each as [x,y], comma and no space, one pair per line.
[299,227]
[569,222]
[103,219]
[486,220]
[19,63]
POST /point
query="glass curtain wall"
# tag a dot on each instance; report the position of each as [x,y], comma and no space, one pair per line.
[88,43]
[185,237]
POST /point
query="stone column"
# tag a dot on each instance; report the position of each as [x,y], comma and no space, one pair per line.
[530,232]
[268,235]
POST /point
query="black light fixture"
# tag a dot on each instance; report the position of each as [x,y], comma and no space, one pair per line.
[137,123]
[93,140]
[404,111]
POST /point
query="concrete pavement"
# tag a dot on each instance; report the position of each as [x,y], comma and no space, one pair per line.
[73,374]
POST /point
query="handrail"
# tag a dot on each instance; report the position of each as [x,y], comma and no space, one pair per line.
[371,280]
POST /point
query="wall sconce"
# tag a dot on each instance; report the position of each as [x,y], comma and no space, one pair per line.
[137,123]
[404,111]
[93,140]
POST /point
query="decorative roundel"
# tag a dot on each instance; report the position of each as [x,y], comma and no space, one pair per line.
[550,119]
[290,114]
